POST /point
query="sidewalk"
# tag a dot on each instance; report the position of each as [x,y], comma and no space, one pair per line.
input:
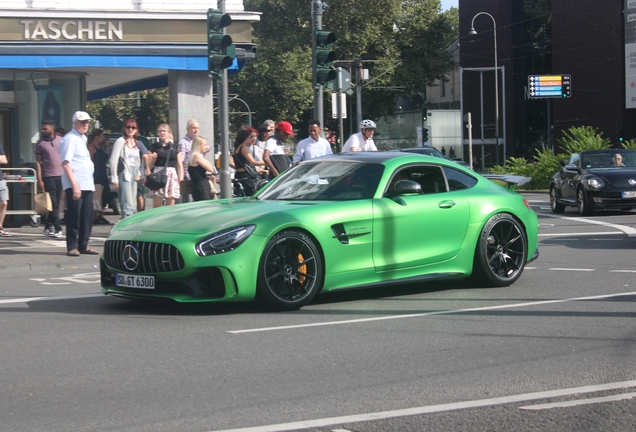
[28,249]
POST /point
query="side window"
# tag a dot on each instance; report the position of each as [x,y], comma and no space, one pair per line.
[458,180]
[430,177]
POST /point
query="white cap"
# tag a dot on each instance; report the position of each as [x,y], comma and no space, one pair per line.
[81,116]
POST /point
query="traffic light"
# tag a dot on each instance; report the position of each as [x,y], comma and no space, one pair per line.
[324,57]
[424,114]
[221,51]
[425,136]
[619,136]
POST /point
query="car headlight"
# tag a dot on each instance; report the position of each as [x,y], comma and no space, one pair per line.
[224,241]
[595,183]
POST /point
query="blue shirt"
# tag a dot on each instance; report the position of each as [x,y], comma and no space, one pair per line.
[73,150]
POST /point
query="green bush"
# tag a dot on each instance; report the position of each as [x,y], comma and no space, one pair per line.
[545,163]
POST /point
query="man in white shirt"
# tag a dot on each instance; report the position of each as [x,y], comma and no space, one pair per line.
[313,146]
[78,184]
[363,140]
[275,155]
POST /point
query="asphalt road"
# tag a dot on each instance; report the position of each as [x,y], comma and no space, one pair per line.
[555,351]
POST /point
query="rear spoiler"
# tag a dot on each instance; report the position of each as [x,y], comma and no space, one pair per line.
[508,181]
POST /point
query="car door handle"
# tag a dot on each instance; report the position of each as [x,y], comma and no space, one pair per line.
[447,204]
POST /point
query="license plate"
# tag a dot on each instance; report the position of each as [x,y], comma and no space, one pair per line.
[630,194]
[133,281]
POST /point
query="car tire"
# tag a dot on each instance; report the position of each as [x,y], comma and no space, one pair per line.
[501,252]
[114,205]
[290,272]
[554,201]
[582,204]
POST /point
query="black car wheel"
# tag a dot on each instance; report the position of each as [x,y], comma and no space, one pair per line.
[582,204]
[554,203]
[290,272]
[501,252]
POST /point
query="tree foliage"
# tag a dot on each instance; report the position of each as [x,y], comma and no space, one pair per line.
[148,107]
[546,162]
[402,42]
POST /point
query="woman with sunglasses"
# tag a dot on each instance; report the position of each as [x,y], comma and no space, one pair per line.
[158,153]
[125,165]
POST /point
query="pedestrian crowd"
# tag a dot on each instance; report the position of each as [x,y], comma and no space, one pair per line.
[78,170]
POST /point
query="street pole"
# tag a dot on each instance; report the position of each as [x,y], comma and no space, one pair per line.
[224,125]
[358,64]
[316,12]
[339,106]
[473,32]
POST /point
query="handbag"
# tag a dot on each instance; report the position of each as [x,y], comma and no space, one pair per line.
[42,203]
[158,180]
[250,171]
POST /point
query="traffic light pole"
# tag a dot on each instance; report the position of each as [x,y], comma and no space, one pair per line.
[224,126]
[316,12]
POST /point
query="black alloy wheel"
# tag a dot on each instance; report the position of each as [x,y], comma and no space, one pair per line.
[290,271]
[554,201]
[581,202]
[501,252]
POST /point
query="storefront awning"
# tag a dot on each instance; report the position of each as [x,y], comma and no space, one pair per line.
[117,61]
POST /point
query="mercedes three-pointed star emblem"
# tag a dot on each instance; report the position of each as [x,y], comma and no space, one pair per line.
[130,257]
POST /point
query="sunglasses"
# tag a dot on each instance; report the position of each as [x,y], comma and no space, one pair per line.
[131,127]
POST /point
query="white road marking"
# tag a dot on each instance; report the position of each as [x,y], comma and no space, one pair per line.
[77,278]
[70,297]
[381,415]
[579,234]
[20,234]
[622,271]
[579,402]
[631,232]
[423,314]
[571,269]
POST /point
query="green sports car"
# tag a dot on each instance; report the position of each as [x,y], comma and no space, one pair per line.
[336,222]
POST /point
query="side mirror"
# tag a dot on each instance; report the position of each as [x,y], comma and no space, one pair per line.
[404,187]
[572,167]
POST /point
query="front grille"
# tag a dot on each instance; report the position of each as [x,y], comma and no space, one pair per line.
[153,257]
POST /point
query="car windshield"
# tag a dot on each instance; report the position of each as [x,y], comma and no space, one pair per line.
[609,159]
[325,181]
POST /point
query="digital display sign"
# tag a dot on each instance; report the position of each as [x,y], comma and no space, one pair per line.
[549,86]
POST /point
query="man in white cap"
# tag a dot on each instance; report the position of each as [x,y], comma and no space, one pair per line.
[78,185]
[363,140]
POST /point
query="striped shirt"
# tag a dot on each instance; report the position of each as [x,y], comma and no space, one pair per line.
[50,153]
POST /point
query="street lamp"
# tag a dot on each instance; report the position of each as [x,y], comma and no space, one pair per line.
[473,32]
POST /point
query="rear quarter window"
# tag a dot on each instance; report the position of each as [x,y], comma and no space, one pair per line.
[458,180]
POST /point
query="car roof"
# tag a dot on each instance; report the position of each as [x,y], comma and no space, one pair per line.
[366,157]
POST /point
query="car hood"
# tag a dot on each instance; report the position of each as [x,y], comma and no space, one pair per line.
[204,216]
[614,176]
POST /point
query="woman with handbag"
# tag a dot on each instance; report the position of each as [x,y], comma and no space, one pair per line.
[167,160]
[198,167]
[246,172]
[125,162]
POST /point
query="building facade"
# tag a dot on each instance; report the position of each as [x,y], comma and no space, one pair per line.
[584,39]
[55,55]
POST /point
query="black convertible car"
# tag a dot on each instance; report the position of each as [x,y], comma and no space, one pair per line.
[596,179]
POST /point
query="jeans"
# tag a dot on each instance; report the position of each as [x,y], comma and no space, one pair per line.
[128,194]
[53,185]
[79,219]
